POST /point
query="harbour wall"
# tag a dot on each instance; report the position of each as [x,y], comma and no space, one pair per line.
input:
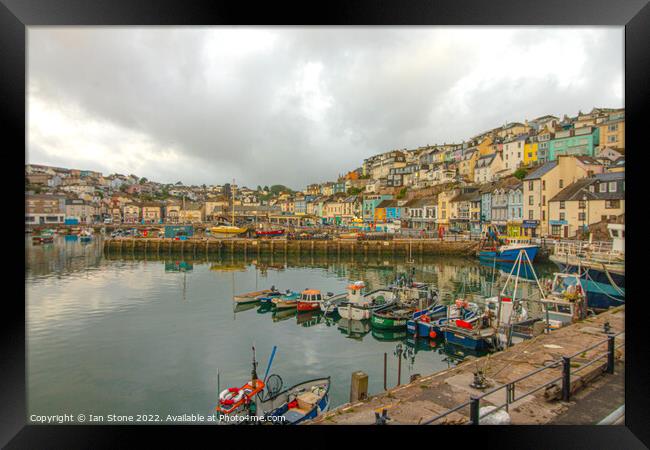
[415,247]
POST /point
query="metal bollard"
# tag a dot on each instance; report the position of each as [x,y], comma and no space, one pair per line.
[610,354]
[474,410]
[566,378]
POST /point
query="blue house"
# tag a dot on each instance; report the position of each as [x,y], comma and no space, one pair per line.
[370,202]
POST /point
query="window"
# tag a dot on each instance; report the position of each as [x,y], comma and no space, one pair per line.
[530,155]
[582,204]
[603,218]
[612,218]
[543,200]
[530,215]
[556,230]
[612,186]
[602,187]
[530,186]
[543,185]
[612,204]
[613,127]
[562,205]
[543,215]
[592,188]
[561,184]
[582,216]
[611,138]
[562,216]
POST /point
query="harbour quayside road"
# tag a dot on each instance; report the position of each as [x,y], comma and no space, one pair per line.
[529,380]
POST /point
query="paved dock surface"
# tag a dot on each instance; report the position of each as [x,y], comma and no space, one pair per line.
[434,394]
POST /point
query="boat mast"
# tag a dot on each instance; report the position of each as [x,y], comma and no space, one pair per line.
[232,191]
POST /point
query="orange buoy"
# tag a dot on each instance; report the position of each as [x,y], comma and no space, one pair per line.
[432,334]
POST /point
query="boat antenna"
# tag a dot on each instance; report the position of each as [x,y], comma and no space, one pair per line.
[254,370]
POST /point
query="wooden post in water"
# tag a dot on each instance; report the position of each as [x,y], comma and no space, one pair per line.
[358,386]
[385,365]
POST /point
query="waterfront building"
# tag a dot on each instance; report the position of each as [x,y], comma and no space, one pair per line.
[44,209]
[370,202]
[460,207]
[172,212]
[600,198]
[151,213]
[515,214]
[190,213]
[475,221]
[79,209]
[131,213]
[546,182]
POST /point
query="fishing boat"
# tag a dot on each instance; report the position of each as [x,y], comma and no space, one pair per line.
[600,266]
[495,248]
[286,301]
[411,299]
[359,305]
[227,229]
[471,334]
[252,297]
[44,237]
[268,298]
[310,300]
[269,233]
[393,316]
[301,402]
[430,324]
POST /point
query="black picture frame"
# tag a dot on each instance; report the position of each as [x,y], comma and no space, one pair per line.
[16,15]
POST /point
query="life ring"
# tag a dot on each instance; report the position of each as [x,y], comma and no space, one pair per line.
[226,397]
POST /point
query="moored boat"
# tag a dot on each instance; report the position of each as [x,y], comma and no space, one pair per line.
[310,300]
[360,305]
[286,301]
[496,249]
[227,229]
[269,233]
[43,238]
[252,297]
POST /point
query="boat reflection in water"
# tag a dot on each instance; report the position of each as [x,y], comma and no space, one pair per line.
[354,329]
[388,335]
[178,266]
[264,308]
[283,314]
[240,307]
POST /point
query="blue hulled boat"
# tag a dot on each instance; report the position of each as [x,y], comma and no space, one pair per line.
[494,248]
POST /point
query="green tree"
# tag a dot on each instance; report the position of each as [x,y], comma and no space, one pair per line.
[354,191]
[520,173]
[143,180]
[402,193]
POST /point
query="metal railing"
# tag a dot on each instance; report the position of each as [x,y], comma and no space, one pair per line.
[565,378]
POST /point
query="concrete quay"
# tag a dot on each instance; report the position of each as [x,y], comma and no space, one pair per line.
[593,392]
[211,246]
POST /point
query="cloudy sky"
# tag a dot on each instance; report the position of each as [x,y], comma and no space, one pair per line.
[296,105]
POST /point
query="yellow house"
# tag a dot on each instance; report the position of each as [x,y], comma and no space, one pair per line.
[486,147]
[546,182]
[612,133]
[530,153]
[468,163]
[600,198]
[445,207]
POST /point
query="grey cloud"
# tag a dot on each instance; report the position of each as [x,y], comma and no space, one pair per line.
[389,88]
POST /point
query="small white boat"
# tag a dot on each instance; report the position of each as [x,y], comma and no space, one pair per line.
[360,305]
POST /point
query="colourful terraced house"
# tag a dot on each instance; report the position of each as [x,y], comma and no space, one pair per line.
[574,142]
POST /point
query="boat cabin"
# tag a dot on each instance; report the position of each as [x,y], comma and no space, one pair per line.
[565,301]
[311,295]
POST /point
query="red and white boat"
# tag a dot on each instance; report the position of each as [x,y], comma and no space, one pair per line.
[263,233]
[310,300]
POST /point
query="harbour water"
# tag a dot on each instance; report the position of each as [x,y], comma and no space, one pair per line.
[132,334]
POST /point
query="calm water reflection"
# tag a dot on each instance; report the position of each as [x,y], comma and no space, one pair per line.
[130,334]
